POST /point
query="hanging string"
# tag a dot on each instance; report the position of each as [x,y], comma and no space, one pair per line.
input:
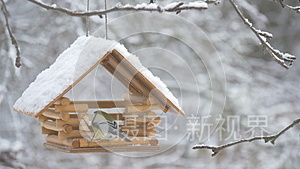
[87,21]
[105,7]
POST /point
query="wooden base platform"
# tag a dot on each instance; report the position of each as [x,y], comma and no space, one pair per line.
[66,149]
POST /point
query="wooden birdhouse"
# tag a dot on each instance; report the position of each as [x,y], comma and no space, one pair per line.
[66,123]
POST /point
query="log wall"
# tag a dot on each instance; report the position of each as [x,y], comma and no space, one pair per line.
[67,122]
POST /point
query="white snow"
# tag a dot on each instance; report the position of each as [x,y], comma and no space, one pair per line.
[288,56]
[70,66]
[196,4]
[264,33]
[153,6]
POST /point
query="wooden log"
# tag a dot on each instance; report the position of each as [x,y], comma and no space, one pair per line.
[64,101]
[141,108]
[115,116]
[47,131]
[133,132]
[134,98]
[108,67]
[42,118]
[55,115]
[151,101]
[153,142]
[128,75]
[156,121]
[72,108]
[85,128]
[74,143]
[72,121]
[118,142]
[72,134]
[52,126]
[82,115]
[104,104]
[87,134]
[73,115]
[146,126]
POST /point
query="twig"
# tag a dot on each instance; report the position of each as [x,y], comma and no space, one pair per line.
[14,41]
[291,8]
[271,138]
[280,58]
[120,7]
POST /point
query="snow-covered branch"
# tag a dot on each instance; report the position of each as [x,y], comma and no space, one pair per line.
[14,41]
[284,59]
[176,7]
[292,8]
[271,138]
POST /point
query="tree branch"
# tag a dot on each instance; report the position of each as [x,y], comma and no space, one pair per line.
[291,8]
[271,138]
[12,36]
[173,7]
[284,59]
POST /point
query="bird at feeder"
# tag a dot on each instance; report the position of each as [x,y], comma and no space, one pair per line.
[105,127]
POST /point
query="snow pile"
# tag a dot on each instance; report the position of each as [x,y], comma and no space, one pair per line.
[70,66]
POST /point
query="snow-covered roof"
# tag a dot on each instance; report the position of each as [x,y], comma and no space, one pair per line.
[70,67]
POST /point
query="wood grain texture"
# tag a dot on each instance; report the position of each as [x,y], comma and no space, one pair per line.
[72,108]
[74,143]
[52,126]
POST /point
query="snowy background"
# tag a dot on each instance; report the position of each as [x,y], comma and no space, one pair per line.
[169,46]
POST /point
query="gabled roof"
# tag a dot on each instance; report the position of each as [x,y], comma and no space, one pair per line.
[72,66]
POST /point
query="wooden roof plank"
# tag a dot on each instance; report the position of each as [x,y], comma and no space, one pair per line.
[133,77]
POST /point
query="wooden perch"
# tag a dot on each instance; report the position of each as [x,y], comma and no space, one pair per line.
[74,143]
[72,108]
[55,115]
[118,142]
[52,126]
